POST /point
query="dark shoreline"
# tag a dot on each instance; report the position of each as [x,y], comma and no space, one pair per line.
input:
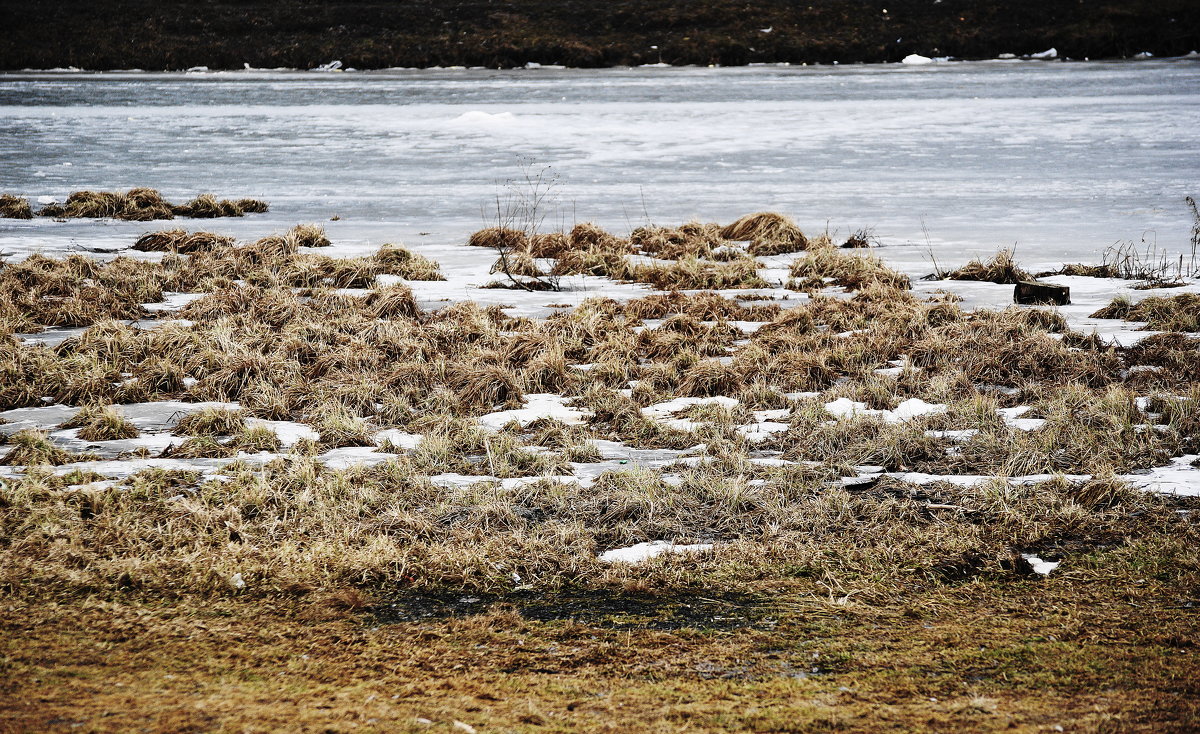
[509,33]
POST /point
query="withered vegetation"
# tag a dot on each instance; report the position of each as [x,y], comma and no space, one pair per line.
[1002,268]
[143,205]
[822,515]
[15,207]
[1170,313]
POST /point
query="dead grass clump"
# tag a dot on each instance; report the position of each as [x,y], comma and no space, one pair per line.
[1009,348]
[692,273]
[32,447]
[499,238]
[768,233]
[799,371]
[140,205]
[396,260]
[1176,355]
[518,263]
[339,428]
[706,306]
[308,235]
[101,423]
[708,378]
[1002,269]
[1161,313]
[391,302]
[207,206]
[15,207]
[252,206]
[691,239]
[1088,271]
[822,266]
[143,204]
[78,291]
[211,422]
[180,240]
[200,447]
[486,386]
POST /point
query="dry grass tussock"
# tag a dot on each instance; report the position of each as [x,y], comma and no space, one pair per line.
[15,207]
[77,291]
[182,241]
[693,256]
[1170,313]
[143,205]
[295,525]
[286,346]
[1002,268]
[768,233]
[825,265]
[101,423]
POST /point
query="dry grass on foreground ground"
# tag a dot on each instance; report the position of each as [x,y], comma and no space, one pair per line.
[845,581]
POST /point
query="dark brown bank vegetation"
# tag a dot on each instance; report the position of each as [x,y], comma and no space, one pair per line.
[422,33]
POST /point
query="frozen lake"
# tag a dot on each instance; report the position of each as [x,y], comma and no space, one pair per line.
[1060,159]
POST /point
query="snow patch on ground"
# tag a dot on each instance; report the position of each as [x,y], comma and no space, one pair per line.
[645,551]
[537,405]
[1038,565]
[906,411]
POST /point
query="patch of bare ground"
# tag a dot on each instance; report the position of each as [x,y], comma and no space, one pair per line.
[1103,649]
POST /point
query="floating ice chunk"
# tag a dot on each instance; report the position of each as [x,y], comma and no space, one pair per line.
[196,70]
[537,405]
[46,200]
[916,60]
[1006,57]
[331,66]
[1050,53]
[645,551]
[1039,566]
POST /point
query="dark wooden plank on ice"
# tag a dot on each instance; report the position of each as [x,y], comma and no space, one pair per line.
[1030,293]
